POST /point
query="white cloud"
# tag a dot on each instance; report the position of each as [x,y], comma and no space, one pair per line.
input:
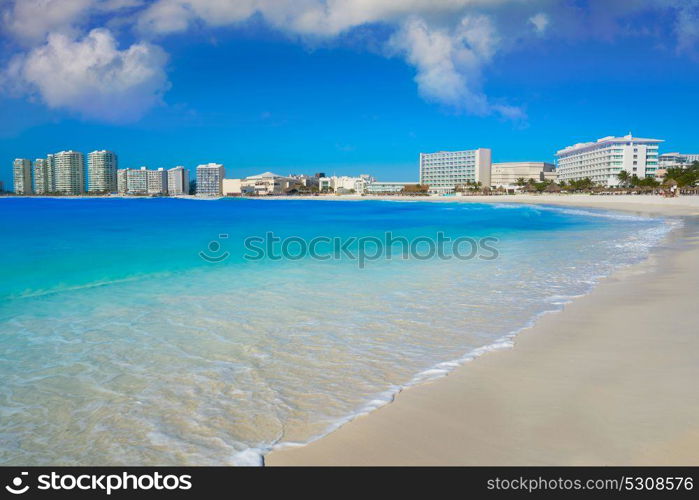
[92,77]
[449,62]
[449,42]
[30,21]
[540,22]
[687,27]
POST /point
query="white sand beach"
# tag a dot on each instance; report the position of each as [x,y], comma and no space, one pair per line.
[610,380]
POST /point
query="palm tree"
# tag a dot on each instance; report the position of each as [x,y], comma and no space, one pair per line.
[521,182]
[623,177]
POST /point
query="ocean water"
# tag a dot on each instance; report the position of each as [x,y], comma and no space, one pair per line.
[120,344]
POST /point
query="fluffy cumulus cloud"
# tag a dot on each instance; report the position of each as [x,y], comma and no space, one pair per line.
[92,77]
[447,46]
[450,43]
[448,61]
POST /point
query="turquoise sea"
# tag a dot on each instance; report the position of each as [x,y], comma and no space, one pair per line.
[121,345]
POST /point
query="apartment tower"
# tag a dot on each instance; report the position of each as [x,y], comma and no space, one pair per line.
[102,172]
[70,172]
[22,173]
[210,179]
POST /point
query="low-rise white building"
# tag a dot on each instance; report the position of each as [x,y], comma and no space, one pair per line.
[268,183]
[345,184]
[383,187]
[676,160]
[601,161]
[506,174]
[232,187]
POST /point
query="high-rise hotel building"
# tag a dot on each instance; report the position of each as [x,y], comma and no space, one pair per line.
[22,173]
[601,161]
[210,179]
[445,170]
[70,172]
[41,176]
[137,181]
[122,180]
[157,181]
[178,181]
[51,172]
[102,172]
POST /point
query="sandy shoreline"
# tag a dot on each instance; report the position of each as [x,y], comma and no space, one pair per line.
[610,380]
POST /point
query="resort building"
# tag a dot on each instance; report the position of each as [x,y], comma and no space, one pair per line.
[345,184]
[41,176]
[137,181]
[268,183]
[306,180]
[233,187]
[177,181]
[101,172]
[70,172]
[122,180]
[506,174]
[156,181]
[210,179]
[378,187]
[676,160]
[443,171]
[601,161]
[22,172]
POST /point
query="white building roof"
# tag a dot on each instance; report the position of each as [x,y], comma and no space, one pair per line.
[266,175]
[610,139]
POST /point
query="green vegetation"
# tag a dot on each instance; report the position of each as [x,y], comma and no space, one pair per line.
[684,177]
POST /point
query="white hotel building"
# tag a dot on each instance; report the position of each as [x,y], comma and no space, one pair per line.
[677,160]
[102,172]
[177,181]
[444,170]
[22,171]
[601,161]
[210,179]
[70,172]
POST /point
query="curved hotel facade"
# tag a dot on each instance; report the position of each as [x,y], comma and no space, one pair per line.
[602,160]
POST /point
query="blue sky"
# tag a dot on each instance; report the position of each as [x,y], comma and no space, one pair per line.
[261,88]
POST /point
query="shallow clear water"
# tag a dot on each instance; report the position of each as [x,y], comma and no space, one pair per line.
[120,345]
